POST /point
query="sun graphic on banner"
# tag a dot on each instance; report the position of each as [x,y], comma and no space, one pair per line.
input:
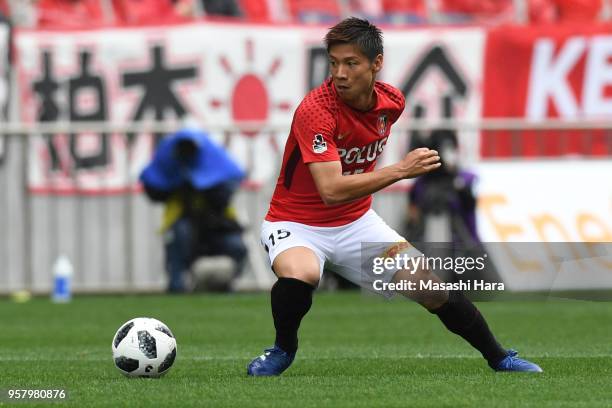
[250,100]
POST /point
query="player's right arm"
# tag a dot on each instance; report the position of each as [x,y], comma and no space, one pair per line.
[314,126]
[336,188]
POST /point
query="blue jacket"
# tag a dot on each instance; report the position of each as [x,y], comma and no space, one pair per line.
[211,166]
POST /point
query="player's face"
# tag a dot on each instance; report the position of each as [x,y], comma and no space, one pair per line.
[353,74]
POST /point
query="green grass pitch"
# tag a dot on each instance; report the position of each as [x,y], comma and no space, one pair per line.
[355,351]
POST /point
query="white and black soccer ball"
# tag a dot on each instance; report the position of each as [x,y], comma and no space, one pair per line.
[144,347]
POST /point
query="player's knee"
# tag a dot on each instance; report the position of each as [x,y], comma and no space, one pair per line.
[299,264]
[296,271]
[424,287]
[429,299]
[433,299]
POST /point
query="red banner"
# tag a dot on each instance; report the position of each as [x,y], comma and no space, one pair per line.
[539,73]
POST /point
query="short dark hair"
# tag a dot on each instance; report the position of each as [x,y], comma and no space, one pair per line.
[356,31]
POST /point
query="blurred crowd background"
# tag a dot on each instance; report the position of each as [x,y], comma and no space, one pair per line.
[81,13]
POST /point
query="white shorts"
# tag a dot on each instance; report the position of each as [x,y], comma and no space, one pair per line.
[338,248]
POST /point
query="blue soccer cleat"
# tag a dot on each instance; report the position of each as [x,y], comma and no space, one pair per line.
[272,362]
[513,363]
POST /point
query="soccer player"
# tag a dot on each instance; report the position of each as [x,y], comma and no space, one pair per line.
[320,211]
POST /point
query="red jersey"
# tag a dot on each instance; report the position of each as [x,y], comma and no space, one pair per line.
[326,129]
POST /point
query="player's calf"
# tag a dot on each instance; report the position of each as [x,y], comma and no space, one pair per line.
[291,300]
[460,316]
[457,313]
[298,272]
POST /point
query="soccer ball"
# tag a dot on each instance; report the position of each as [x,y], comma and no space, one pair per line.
[144,347]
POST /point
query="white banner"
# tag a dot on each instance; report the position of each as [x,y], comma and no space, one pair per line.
[560,207]
[218,74]
[440,72]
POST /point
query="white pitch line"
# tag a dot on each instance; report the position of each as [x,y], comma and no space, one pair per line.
[232,358]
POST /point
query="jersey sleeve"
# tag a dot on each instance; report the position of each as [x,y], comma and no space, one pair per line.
[396,102]
[400,101]
[314,127]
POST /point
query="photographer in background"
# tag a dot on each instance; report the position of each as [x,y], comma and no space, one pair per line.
[445,193]
[196,180]
[441,213]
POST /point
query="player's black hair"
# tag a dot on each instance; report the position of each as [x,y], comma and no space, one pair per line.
[356,31]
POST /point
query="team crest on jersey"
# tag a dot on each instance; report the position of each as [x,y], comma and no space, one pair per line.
[382,124]
[319,145]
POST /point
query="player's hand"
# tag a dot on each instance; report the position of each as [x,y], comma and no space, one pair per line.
[418,162]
